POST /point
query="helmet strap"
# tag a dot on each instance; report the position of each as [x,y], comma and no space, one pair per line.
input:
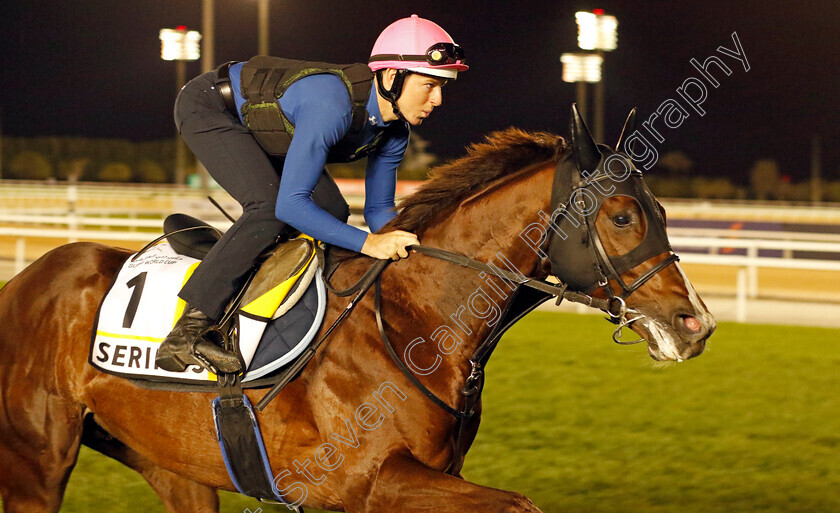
[392,94]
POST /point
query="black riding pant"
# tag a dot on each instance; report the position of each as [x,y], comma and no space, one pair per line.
[237,162]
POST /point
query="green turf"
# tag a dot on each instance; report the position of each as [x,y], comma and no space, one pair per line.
[580,424]
[751,425]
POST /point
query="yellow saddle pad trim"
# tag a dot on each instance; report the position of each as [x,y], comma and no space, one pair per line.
[180,305]
[265,305]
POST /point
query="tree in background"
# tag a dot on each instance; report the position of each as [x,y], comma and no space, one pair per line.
[713,188]
[414,166]
[665,187]
[72,170]
[676,163]
[765,179]
[831,191]
[115,172]
[417,160]
[40,158]
[29,165]
[64,154]
[789,191]
[149,171]
[671,176]
[354,169]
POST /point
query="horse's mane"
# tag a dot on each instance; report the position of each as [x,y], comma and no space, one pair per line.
[500,154]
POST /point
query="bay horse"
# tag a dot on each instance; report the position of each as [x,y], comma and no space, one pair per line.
[351,433]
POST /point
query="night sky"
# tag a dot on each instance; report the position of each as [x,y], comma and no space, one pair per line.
[93,68]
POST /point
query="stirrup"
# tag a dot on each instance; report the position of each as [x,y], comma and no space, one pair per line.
[223,343]
[202,360]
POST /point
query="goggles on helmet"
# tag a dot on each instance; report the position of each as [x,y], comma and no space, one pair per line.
[439,54]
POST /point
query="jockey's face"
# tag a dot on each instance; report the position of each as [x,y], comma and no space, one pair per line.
[420,95]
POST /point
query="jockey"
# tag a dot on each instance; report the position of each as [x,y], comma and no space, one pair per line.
[284,184]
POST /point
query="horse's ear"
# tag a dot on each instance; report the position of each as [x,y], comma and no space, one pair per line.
[629,127]
[583,145]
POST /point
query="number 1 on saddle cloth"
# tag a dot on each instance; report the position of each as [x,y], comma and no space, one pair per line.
[142,305]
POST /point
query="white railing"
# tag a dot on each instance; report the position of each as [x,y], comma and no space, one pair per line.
[65,213]
[753,234]
[748,264]
[71,228]
[75,221]
[22,234]
[751,210]
[136,199]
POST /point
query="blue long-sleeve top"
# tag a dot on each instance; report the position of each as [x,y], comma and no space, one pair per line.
[321,111]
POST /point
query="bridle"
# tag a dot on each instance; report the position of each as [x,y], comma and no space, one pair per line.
[581,259]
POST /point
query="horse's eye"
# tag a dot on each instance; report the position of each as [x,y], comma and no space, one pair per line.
[621,220]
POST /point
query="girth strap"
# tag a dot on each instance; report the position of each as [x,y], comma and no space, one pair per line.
[241,442]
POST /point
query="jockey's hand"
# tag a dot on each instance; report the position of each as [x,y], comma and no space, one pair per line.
[389,245]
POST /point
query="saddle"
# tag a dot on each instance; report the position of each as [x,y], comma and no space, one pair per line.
[270,323]
[274,318]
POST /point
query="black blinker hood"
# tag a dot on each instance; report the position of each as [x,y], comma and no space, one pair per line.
[574,250]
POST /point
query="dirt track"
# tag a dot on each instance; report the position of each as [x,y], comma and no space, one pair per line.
[772,283]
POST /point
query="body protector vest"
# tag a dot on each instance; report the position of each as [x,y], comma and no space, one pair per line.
[265,79]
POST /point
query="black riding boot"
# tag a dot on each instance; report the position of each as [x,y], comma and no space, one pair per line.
[186,345]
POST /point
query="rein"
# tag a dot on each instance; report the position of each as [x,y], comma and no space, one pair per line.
[615,307]
[360,289]
[558,290]
[373,276]
[473,385]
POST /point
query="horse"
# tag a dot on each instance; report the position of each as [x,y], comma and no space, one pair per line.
[351,432]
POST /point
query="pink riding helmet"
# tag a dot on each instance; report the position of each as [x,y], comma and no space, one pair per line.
[418,45]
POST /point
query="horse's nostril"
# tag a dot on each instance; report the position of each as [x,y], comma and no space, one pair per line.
[692,323]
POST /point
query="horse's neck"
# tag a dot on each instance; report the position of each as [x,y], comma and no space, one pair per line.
[468,302]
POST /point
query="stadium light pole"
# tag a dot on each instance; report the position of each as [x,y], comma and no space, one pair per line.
[581,68]
[180,45]
[208,42]
[1,144]
[816,170]
[597,32]
[208,63]
[262,22]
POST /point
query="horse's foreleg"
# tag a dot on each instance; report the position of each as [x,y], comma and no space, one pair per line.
[406,485]
[177,493]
